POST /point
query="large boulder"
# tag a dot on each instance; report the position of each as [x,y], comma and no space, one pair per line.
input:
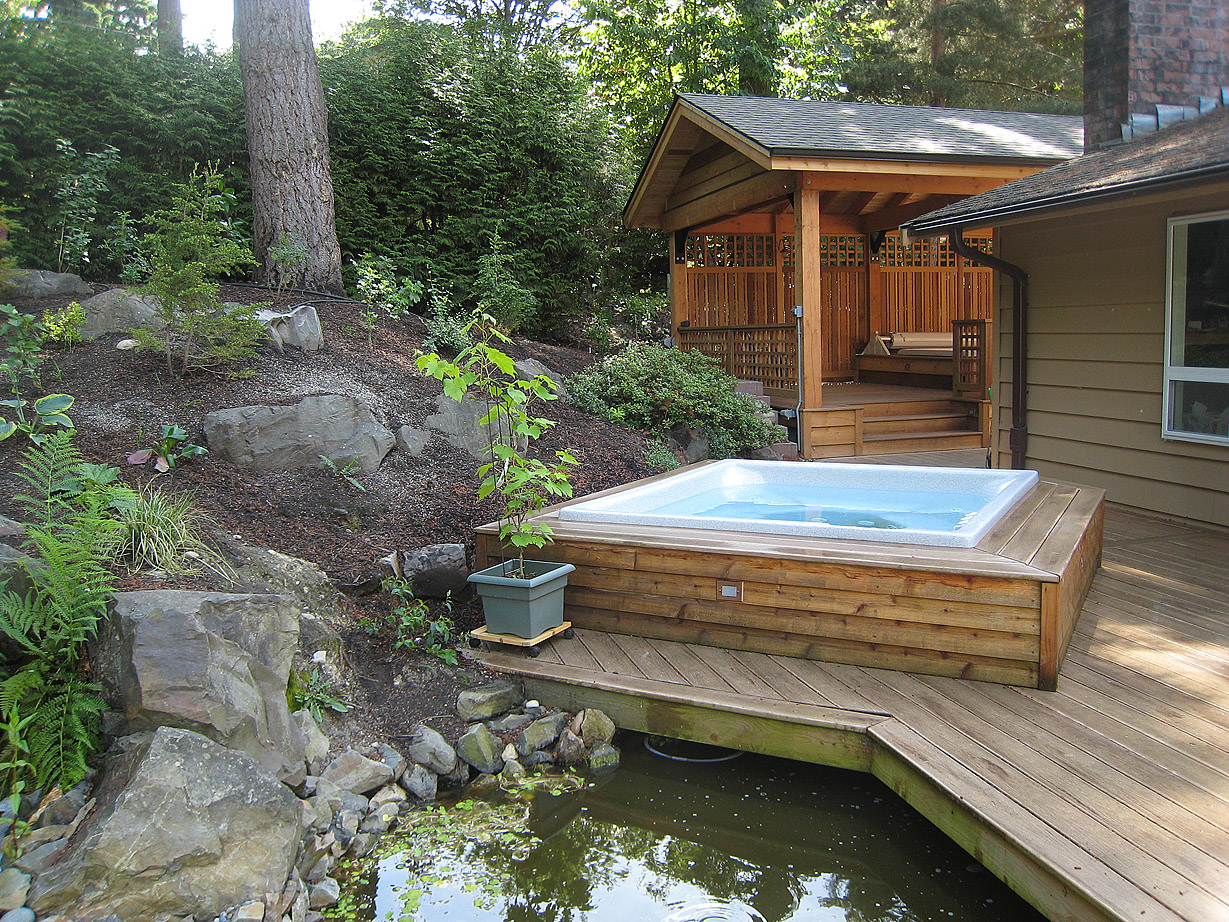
[13,573]
[527,369]
[490,700]
[459,423]
[298,328]
[216,663]
[39,283]
[436,570]
[183,827]
[118,310]
[260,569]
[263,438]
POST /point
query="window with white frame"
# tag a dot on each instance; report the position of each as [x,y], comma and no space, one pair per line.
[1197,332]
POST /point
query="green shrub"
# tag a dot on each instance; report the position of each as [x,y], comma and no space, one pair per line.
[653,389]
[62,327]
[447,328]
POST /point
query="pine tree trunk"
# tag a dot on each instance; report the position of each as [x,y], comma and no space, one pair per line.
[288,143]
[170,27]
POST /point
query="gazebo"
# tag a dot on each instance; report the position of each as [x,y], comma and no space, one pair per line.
[777,208]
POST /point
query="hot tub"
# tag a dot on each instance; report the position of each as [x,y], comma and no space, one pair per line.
[938,507]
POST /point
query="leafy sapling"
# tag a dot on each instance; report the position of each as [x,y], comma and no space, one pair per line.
[171,449]
[524,484]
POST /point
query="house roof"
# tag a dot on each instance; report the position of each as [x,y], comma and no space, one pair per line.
[809,127]
[1186,152]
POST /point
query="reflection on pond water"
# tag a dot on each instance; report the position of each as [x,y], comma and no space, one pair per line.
[660,841]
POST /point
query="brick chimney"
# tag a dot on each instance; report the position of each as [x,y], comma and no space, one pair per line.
[1140,53]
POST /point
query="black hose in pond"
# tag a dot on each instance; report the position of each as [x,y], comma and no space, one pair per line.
[686,751]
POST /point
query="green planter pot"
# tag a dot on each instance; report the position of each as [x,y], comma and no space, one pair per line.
[524,607]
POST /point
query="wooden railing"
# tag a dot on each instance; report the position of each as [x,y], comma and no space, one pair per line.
[971,354]
[767,353]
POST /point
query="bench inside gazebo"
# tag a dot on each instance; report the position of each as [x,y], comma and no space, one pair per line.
[777,208]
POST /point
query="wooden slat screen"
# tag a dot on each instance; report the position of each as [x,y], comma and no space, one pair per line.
[765,353]
[971,347]
[926,286]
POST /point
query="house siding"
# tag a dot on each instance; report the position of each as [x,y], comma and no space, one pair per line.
[1096,356]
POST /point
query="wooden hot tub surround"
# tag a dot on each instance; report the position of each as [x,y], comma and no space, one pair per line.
[1002,611]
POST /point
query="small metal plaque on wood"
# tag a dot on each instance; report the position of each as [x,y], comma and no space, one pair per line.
[730,592]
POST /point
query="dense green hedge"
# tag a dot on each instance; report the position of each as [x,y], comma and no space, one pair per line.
[654,389]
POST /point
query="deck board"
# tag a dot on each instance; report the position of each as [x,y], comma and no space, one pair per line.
[1107,799]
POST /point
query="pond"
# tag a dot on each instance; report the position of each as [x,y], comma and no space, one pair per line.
[752,838]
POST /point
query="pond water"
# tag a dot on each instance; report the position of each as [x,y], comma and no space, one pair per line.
[744,840]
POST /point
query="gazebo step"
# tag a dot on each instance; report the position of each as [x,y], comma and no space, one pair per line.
[920,422]
[947,440]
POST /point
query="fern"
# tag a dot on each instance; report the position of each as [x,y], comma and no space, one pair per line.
[74,535]
[64,732]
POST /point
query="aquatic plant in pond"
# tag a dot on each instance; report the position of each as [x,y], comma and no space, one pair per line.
[753,840]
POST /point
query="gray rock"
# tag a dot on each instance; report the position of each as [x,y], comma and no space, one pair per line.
[324,894]
[258,569]
[480,748]
[356,773]
[513,771]
[36,859]
[64,809]
[603,758]
[532,368]
[321,869]
[377,821]
[389,794]
[422,783]
[510,754]
[541,733]
[595,727]
[692,443]
[22,914]
[315,743]
[10,528]
[541,757]
[251,911]
[14,885]
[570,750]
[430,749]
[345,825]
[412,441]
[317,814]
[297,329]
[436,570]
[180,659]
[14,574]
[36,837]
[339,799]
[393,759]
[509,722]
[118,310]
[490,699]
[458,422]
[264,438]
[362,844]
[183,827]
[40,283]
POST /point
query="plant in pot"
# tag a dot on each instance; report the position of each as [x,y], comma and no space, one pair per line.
[519,596]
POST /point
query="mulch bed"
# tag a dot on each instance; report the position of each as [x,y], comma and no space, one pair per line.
[123,398]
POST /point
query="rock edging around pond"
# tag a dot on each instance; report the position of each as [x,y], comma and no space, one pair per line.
[176,826]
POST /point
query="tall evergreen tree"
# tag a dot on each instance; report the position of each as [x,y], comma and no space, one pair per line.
[288,144]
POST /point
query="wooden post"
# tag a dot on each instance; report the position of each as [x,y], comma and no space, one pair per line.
[807,289]
[778,259]
[874,292]
[678,287]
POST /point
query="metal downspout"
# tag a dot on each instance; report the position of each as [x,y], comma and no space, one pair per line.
[1018,438]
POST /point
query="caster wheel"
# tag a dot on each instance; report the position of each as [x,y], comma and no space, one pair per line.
[534,651]
[474,643]
[569,634]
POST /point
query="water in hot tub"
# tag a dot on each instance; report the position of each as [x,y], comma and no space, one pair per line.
[929,510]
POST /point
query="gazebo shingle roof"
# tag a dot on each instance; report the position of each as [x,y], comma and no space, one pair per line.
[1183,153]
[807,127]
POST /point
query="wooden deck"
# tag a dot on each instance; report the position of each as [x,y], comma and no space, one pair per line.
[1105,800]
